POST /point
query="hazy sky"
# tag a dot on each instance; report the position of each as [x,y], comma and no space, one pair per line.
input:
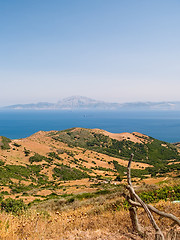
[112,50]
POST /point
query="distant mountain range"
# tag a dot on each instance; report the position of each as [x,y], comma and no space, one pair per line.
[84,103]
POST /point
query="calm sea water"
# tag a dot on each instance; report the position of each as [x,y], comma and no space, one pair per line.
[161,125]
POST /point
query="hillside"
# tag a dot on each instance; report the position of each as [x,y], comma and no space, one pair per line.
[79,160]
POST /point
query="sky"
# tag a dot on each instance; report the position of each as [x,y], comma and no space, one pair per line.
[111,50]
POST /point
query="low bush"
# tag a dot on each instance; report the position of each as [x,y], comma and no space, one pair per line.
[5,143]
[54,155]
[67,173]
[166,193]
[16,144]
[26,152]
[13,206]
[36,158]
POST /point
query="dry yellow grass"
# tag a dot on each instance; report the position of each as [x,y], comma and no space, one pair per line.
[83,220]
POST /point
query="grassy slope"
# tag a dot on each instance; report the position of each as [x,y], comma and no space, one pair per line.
[44,167]
[97,218]
[43,163]
[153,151]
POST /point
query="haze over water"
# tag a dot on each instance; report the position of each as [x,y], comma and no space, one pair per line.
[161,125]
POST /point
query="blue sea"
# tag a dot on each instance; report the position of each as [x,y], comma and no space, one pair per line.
[21,123]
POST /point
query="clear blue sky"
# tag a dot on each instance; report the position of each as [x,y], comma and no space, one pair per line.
[112,50]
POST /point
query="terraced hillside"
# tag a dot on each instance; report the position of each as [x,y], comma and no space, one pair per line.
[49,164]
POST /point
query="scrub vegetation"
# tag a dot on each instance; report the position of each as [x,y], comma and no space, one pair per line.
[70,184]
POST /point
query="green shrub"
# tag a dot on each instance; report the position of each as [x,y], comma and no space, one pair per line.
[67,173]
[26,152]
[1,162]
[119,178]
[13,206]
[16,144]
[5,143]
[54,155]
[36,158]
[166,193]
[39,158]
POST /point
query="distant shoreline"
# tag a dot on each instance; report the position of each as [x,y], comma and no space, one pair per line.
[84,103]
[163,125]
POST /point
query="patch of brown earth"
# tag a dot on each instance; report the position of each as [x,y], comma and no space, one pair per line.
[84,181]
[5,189]
[133,137]
[106,161]
[34,146]
[154,180]
[44,192]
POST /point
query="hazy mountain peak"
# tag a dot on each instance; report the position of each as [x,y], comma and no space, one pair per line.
[78,102]
[81,102]
[79,98]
